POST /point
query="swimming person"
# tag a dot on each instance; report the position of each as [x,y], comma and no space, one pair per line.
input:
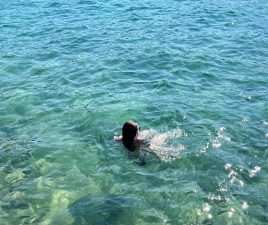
[131,140]
[130,136]
[148,142]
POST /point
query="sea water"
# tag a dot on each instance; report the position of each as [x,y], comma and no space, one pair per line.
[72,72]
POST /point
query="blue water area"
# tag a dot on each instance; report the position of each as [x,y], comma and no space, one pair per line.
[72,72]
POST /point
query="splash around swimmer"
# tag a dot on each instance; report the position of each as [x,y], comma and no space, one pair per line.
[150,141]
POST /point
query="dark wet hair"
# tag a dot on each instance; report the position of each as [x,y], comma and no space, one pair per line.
[129,133]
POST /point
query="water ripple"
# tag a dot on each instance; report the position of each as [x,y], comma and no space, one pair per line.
[73,72]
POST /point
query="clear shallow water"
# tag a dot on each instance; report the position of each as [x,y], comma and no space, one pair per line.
[73,72]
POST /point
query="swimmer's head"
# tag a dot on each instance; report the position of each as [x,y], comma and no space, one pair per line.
[130,132]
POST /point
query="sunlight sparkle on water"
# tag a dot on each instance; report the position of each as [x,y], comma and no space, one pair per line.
[244,205]
[231,212]
[227,166]
[254,171]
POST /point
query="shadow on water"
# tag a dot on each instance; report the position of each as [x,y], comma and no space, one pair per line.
[102,210]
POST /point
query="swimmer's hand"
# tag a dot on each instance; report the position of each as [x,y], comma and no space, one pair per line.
[117,138]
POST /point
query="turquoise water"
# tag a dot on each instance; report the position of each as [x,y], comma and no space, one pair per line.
[72,72]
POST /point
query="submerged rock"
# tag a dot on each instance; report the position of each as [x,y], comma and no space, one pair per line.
[102,210]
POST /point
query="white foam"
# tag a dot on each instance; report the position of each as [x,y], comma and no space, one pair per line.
[158,143]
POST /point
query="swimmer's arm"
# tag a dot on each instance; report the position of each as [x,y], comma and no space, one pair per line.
[144,143]
[147,147]
[117,138]
[150,151]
